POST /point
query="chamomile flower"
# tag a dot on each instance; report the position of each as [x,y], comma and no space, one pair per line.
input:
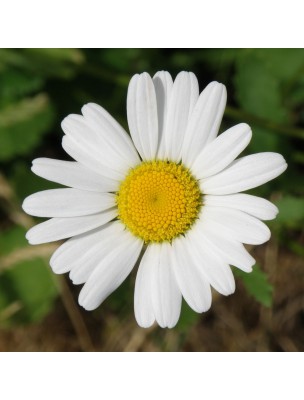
[166,196]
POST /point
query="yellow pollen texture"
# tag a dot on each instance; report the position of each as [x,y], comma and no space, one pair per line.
[158,200]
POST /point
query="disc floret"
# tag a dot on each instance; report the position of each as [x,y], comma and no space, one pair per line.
[158,200]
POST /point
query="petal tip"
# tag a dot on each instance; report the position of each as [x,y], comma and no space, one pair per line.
[144,324]
[30,237]
[161,73]
[24,204]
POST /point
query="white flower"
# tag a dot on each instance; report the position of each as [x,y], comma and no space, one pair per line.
[169,194]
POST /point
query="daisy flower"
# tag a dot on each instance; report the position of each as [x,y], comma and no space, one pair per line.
[166,196]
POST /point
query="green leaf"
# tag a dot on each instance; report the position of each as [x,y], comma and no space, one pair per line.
[258,90]
[291,212]
[23,124]
[257,285]
[284,64]
[31,284]
[15,84]
[28,282]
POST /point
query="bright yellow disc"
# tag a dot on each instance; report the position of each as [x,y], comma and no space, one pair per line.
[158,200]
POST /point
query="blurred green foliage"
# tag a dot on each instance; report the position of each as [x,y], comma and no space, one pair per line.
[257,285]
[291,212]
[27,283]
[39,87]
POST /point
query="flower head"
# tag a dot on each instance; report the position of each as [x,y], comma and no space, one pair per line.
[167,196]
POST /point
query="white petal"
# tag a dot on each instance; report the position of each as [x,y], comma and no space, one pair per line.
[143,307]
[73,174]
[163,84]
[87,156]
[214,268]
[82,268]
[222,151]
[111,132]
[69,254]
[67,203]
[142,115]
[86,144]
[166,296]
[111,271]
[253,205]
[62,228]
[191,281]
[104,146]
[182,101]
[230,250]
[205,121]
[245,173]
[241,226]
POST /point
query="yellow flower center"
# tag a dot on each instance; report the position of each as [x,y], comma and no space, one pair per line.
[158,200]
